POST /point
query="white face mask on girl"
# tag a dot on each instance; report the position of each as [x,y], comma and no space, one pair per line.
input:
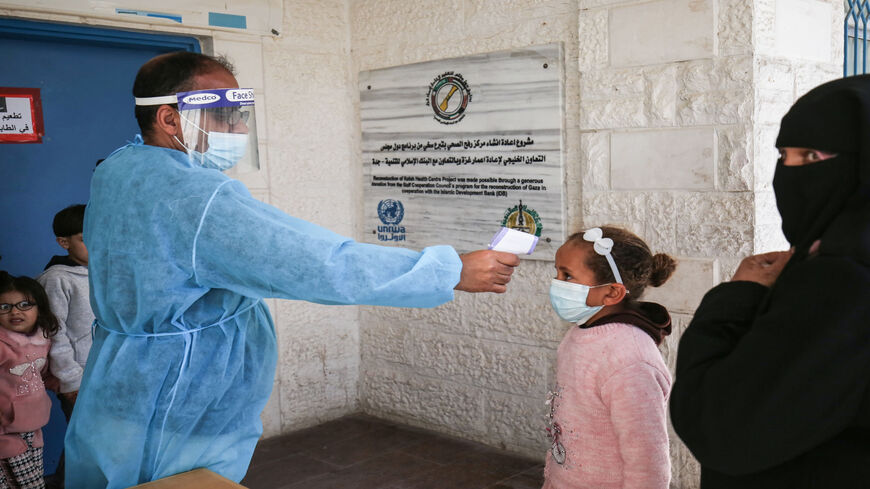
[569,301]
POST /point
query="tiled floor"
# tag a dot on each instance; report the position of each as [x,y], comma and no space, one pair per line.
[362,452]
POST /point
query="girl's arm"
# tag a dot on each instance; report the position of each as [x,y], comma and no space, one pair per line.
[636,396]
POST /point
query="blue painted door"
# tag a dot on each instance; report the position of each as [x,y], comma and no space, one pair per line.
[85,76]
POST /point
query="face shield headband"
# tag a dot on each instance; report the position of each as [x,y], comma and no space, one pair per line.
[218,126]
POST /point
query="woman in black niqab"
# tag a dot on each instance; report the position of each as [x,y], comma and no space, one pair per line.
[772,385]
[812,198]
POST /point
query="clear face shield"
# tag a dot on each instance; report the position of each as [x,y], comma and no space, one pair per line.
[218,127]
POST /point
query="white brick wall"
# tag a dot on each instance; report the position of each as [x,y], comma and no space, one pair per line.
[679,104]
[663,31]
[709,166]
[662,159]
[478,367]
[672,108]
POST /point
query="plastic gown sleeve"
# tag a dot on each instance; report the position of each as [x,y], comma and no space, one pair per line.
[754,391]
[256,250]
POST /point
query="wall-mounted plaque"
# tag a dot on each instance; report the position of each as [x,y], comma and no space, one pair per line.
[454,149]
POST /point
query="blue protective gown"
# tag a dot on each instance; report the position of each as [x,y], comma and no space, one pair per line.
[184,351]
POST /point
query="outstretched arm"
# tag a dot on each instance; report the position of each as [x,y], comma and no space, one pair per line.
[259,251]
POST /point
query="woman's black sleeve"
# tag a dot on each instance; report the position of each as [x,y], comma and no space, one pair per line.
[754,390]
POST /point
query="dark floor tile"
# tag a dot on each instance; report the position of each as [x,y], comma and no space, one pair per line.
[272,449]
[393,466]
[325,481]
[498,462]
[285,471]
[443,450]
[366,446]
[378,473]
[451,476]
[362,452]
[316,437]
[530,479]
[450,451]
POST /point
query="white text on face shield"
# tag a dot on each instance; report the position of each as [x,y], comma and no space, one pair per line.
[241,95]
[201,98]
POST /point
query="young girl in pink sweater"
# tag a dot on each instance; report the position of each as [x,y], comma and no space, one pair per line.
[26,323]
[608,422]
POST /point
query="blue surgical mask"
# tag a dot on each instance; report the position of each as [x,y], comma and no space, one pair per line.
[569,301]
[225,149]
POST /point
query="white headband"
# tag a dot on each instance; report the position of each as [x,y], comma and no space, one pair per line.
[164,100]
[602,246]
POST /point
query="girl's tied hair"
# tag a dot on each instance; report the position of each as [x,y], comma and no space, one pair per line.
[634,265]
[45,319]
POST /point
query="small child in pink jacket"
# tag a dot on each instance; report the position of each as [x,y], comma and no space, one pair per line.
[608,421]
[26,323]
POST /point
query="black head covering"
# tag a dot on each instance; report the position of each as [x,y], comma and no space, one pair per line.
[829,199]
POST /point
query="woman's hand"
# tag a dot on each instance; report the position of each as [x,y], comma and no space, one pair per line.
[763,269]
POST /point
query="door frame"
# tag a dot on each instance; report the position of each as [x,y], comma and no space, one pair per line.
[41,30]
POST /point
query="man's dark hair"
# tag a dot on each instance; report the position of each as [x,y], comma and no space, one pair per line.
[169,74]
[69,221]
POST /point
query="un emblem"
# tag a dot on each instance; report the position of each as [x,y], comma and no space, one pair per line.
[391,211]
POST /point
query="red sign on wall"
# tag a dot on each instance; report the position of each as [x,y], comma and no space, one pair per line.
[20,115]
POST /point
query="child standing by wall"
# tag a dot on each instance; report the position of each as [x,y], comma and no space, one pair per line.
[65,280]
[26,324]
[608,422]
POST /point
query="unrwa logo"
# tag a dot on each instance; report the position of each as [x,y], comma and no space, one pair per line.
[391,211]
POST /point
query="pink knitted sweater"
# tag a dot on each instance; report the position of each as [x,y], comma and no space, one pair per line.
[609,411]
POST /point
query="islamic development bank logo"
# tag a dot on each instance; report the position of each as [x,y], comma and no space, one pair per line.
[522,218]
[448,97]
[391,212]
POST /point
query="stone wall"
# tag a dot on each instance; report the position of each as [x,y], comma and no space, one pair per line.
[665,132]
[672,107]
[478,367]
[314,176]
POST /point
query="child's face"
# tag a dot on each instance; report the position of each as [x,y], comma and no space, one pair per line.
[571,265]
[76,248]
[15,319]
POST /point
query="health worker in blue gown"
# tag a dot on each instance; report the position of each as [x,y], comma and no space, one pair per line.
[181,256]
